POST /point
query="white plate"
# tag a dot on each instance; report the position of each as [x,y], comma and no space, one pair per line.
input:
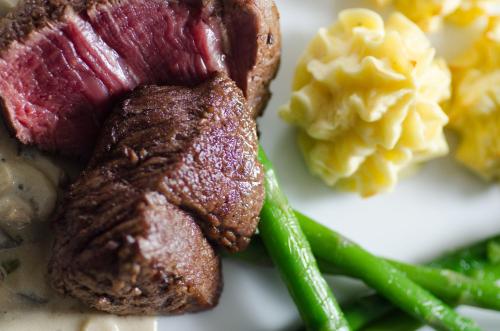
[441,207]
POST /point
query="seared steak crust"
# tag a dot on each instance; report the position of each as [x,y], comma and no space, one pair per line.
[149,257]
[168,157]
[255,61]
[198,147]
[64,62]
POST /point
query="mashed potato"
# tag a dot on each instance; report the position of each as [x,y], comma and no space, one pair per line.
[471,10]
[429,14]
[475,108]
[366,101]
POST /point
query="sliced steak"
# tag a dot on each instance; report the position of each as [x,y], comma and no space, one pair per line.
[198,147]
[64,62]
[253,61]
[152,258]
[168,157]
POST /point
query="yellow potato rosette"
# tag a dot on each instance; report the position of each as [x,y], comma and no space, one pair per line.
[475,108]
[471,10]
[430,14]
[366,101]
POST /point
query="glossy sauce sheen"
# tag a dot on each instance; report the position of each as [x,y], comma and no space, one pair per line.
[28,191]
[46,311]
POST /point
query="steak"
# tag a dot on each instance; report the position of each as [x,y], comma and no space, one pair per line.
[169,159]
[64,63]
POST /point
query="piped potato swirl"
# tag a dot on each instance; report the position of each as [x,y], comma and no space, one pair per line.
[474,110]
[366,100]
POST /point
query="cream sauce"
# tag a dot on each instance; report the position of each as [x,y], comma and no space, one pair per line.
[28,193]
[29,184]
[6,6]
[28,303]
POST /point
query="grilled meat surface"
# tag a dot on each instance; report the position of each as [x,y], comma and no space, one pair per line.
[173,166]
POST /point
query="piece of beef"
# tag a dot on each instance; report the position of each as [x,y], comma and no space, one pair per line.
[64,62]
[152,259]
[170,156]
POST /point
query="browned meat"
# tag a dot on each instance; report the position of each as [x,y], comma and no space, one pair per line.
[253,62]
[152,258]
[64,62]
[170,156]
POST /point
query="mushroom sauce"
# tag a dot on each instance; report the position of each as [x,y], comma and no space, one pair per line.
[29,184]
[29,187]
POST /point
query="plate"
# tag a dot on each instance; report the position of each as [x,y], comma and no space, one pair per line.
[440,208]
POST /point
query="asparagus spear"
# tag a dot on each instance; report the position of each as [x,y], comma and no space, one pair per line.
[361,312]
[383,277]
[396,321]
[361,316]
[448,285]
[432,311]
[452,286]
[479,261]
[290,251]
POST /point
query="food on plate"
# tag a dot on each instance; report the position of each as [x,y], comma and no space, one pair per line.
[6,6]
[428,14]
[467,276]
[290,251]
[63,63]
[28,185]
[474,110]
[473,261]
[178,174]
[470,11]
[337,254]
[366,101]
[173,167]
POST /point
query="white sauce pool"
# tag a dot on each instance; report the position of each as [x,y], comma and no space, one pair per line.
[28,194]
[28,303]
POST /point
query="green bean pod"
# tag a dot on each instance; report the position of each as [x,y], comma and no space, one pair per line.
[383,277]
[291,253]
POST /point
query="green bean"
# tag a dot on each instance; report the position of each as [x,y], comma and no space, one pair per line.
[379,274]
[361,312]
[454,287]
[479,261]
[288,247]
[337,255]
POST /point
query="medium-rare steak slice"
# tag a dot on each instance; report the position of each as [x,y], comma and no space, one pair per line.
[169,155]
[64,62]
[253,62]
